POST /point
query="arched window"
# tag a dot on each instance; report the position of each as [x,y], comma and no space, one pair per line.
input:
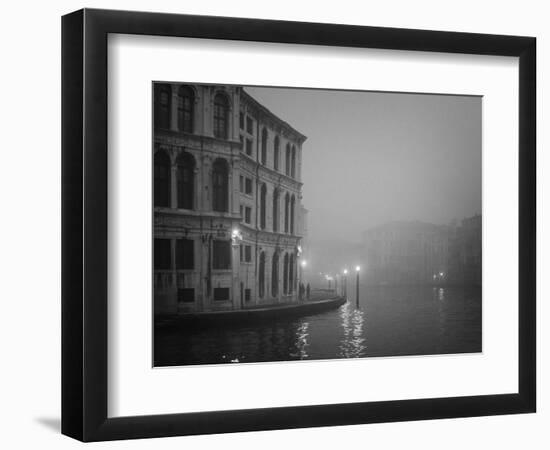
[275,275]
[276,217]
[287,160]
[287,212]
[186,180]
[285,274]
[221,116]
[261,275]
[220,177]
[291,277]
[276,145]
[163,104]
[263,200]
[293,162]
[162,179]
[264,147]
[186,102]
[292,208]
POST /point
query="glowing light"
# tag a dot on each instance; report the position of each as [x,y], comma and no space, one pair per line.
[236,235]
[441,274]
[304,263]
[345,271]
[357,269]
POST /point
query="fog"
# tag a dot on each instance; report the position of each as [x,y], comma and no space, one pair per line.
[373,157]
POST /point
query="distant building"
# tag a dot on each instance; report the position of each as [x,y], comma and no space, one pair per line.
[424,253]
[228,218]
[405,253]
[465,253]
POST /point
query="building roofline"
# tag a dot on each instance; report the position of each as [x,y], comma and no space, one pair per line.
[300,137]
[405,224]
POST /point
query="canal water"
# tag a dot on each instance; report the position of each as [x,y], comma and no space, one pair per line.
[388,321]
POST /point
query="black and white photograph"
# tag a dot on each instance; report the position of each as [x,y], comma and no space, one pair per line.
[275,225]
[310,224]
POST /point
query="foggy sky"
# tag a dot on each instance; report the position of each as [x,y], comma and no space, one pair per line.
[374,157]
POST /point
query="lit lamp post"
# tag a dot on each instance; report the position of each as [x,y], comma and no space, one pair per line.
[439,278]
[357,270]
[345,293]
[236,236]
[303,265]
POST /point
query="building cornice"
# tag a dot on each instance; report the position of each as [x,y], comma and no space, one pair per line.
[274,175]
[262,110]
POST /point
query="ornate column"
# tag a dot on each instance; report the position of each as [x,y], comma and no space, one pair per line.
[230,186]
[174,108]
[173,274]
[173,180]
[235,269]
[197,184]
[205,180]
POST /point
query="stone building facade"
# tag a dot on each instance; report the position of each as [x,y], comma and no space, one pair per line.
[424,253]
[406,253]
[227,200]
[465,252]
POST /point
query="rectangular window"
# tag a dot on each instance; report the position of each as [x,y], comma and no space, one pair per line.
[249,147]
[248,214]
[241,183]
[186,295]
[248,186]
[241,211]
[246,253]
[221,294]
[241,120]
[249,125]
[163,258]
[221,255]
[185,254]
[247,295]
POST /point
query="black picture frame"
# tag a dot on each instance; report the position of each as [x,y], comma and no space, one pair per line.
[84,224]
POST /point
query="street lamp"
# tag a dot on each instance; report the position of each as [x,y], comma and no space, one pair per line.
[345,283]
[357,270]
[236,236]
[303,264]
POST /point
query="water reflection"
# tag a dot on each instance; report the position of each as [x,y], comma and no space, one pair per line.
[390,321]
[352,343]
[442,311]
[301,342]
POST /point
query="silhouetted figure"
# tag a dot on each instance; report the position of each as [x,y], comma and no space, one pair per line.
[308,290]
